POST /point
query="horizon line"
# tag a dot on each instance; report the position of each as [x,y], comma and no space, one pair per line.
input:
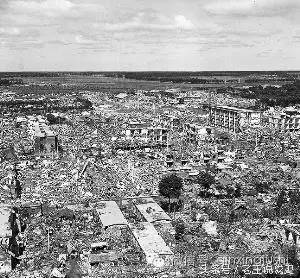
[67,71]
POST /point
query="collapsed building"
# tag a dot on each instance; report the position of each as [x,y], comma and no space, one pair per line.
[172,122]
[194,132]
[145,237]
[44,139]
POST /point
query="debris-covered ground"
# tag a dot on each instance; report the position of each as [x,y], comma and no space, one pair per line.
[238,201]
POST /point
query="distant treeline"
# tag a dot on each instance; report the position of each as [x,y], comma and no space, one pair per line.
[55,119]
[286,95]
[8,82]
[29,74]
[210,77]
[186,80]
[178,74]
[144,75]
[261,80]
[43,105]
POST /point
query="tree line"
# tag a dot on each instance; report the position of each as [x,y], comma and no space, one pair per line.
[9,82]
[286,95]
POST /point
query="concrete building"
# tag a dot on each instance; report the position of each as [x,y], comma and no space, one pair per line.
[45,140]
[110,214]
[286,121]
[152,212]
[234,119]
[170,121]
[147,133]
[155,250]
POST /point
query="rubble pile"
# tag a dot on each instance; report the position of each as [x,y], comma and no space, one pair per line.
[238,190]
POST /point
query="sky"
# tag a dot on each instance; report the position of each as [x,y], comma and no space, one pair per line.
[138,35]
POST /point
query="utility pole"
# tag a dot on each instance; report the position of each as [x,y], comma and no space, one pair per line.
[209,107]
[48,239]
[167,142]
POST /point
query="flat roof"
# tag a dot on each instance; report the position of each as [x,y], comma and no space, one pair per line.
[196,125]
[47,130]
[99,244]
[235,108]
[5,231]
[37,130]
[138,125]
[152,211]
[157,128]
[110,214]
[41,129]
[78,207]
[150,241]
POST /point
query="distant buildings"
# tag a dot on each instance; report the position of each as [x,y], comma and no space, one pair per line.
[234,119]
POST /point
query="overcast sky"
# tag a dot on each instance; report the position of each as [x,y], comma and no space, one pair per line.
[149,35]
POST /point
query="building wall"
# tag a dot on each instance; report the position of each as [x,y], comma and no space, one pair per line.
[45,144]
[234,120]
[51,143]
[39,144]
[227,119]
[159,135]
[285,122]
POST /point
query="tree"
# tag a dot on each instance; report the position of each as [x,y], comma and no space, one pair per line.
[170,187]
[262,186]
[280,201]
[205,180]
[294,197]
[179,230]
[51,119]
[238,192]
[293,204]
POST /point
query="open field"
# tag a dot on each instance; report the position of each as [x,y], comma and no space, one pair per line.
[120,82]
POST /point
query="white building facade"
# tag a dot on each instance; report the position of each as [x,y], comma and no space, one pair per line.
[234,119]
